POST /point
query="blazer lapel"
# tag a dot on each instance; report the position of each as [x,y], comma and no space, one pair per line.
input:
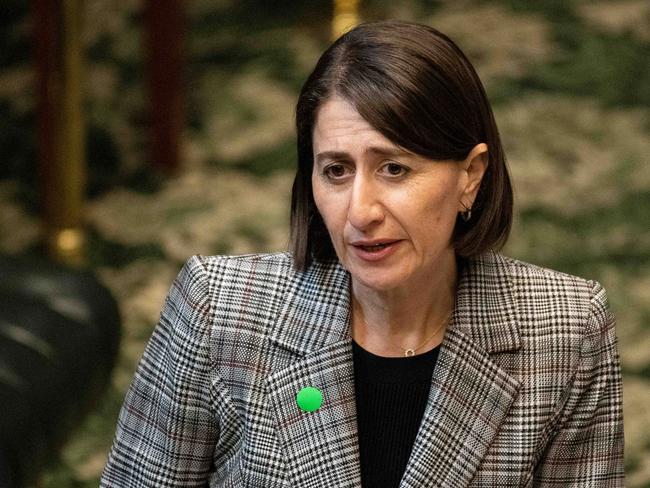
[470,393]
[469,398]
[320,447]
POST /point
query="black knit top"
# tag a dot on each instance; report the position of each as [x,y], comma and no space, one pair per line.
[391,395]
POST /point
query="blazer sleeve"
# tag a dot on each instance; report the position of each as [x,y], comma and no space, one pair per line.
[167,427]
[587,449]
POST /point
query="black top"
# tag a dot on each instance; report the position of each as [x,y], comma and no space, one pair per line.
[391,395]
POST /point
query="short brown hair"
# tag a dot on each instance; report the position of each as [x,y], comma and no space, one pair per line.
[416,87]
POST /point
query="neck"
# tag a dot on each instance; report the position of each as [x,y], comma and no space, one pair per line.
[386,322]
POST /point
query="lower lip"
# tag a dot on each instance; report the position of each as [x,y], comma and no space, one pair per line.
[377,255]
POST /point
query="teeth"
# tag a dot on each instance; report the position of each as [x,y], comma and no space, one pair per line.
[376,247]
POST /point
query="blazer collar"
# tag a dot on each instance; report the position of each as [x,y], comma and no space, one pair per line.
[316,310]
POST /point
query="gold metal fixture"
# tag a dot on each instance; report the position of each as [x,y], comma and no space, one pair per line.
[346,16]
[63,171]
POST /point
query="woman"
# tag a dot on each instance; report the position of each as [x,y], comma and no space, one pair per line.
[392,346]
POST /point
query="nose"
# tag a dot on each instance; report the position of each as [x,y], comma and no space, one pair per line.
[365,208]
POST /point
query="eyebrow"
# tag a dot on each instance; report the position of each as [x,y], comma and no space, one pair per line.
[379,150]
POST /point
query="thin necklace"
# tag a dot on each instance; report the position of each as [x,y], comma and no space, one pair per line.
[408,352]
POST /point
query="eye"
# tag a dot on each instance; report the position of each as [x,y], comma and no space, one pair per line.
[335,171]
[395,169]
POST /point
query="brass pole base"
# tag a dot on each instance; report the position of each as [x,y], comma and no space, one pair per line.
[67,246]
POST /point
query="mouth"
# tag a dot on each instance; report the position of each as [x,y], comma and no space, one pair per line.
[375,248]
[371,247]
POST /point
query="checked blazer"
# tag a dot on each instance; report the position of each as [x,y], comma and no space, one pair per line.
[526,390]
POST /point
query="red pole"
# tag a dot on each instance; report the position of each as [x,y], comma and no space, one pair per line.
[47,14]
[164,29]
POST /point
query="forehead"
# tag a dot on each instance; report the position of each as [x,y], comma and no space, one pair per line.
[338,123]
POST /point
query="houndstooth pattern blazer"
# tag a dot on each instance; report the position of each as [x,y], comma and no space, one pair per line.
[526,390]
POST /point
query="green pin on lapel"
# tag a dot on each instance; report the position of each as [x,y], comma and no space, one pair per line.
[309,399]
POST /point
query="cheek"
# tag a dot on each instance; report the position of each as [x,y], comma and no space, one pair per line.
[319,199]
[432,213]
[325,204]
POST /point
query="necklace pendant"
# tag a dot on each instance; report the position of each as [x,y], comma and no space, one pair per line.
[409,352]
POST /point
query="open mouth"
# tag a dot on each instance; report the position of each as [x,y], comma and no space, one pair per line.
[375,248]
[375,252]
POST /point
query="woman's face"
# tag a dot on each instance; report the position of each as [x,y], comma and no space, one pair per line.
[370,191]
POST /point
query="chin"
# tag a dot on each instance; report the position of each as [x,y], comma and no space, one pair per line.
[378,280]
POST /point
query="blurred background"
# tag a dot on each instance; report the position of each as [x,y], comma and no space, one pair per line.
[136,133]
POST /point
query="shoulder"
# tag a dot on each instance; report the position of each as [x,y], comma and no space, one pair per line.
[516,268]
[280,261]
[203,279]
[533,277]
[544,291]
[260,269]
[224,270]
[259,280]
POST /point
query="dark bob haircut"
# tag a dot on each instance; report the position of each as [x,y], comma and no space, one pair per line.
[416,87]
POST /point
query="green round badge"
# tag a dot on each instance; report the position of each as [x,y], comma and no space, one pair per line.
[309,399]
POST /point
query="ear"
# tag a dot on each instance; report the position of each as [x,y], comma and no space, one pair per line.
[473,167]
